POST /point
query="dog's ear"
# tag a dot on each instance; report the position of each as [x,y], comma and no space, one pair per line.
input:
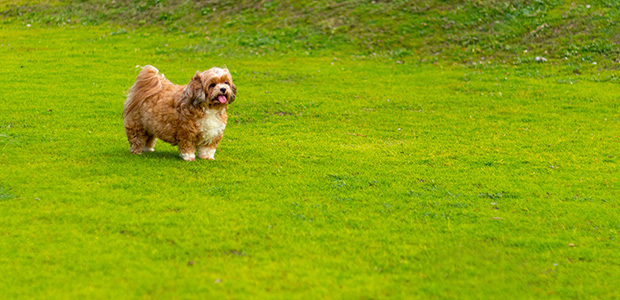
[194,91]
[234,94]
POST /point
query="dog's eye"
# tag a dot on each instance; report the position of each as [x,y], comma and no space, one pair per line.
[212,85]
[227,83]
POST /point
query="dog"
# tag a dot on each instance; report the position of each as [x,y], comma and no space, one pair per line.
[192,116]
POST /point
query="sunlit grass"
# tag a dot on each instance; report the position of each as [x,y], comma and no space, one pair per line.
[339,176]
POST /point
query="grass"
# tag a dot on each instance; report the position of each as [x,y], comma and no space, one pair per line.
[342,174]
[466,32]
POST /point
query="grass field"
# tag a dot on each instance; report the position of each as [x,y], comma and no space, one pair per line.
[342,174]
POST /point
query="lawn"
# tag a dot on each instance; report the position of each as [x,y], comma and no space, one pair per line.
[341,174]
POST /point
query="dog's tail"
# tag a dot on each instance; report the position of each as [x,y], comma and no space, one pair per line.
[148,83]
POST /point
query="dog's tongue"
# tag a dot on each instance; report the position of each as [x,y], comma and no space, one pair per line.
[222,98]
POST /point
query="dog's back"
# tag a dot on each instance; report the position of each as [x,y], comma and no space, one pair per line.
[148,83]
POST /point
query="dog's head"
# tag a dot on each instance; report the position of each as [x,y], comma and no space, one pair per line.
[214,86]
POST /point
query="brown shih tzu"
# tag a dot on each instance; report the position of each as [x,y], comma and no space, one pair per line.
[192,116]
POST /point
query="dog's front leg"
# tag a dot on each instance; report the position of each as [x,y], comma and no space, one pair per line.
[206,152]
[188,151]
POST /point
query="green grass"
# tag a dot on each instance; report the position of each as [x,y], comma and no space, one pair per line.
[470,32]
[341,174]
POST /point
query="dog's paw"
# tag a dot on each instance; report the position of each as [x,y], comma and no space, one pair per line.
[188,156]
[206,154]
[145,149]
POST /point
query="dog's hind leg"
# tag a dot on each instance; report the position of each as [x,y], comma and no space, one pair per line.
[137,138]
[150,144]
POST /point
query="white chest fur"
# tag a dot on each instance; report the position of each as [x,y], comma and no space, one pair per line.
[211,126]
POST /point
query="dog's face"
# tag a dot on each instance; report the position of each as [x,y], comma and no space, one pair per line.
[214,86]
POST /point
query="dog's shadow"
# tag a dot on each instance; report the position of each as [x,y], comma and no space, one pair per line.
[159,154]
[124,155]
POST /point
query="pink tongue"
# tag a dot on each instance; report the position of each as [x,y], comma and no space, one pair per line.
[222,98]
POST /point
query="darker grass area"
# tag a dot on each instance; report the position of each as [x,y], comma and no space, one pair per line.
[470,31]
[6,194]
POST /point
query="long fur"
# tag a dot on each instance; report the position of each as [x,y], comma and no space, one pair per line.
[192,116]
[148,83]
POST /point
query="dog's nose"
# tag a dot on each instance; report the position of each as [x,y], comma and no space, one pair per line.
[223,90]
